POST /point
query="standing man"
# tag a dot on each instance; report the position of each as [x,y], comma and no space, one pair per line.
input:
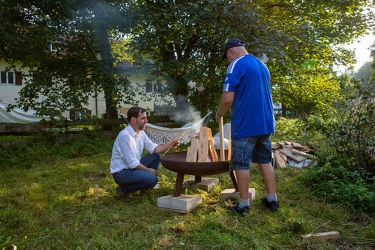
[130,170]
[247,93]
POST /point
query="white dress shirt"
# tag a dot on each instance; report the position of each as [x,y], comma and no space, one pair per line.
[128,149]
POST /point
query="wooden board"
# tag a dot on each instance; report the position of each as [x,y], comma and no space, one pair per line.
[221,131]
[285,143]
[192,152]
[325,235]
[277,146]
[280,162]
[212,152]
[288,152]
[296,145]
[204,135]
[229,148]
[297,152]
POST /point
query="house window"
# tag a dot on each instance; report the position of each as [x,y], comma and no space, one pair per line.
[7,77]
[11,77]
[157,87]
[79,114]
[153,88]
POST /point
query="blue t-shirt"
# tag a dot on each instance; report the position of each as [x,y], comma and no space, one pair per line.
[252,108]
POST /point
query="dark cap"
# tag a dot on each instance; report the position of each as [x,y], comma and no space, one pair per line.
[233,43]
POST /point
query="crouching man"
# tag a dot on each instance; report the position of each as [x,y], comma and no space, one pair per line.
[130,170]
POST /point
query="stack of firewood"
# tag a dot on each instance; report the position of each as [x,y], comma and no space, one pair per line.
[292,154]
[202,147]
[285,153]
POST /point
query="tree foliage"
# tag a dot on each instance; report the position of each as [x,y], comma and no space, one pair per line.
[363,74]
[60,43]
[185,39]
[350,129]
[313,91]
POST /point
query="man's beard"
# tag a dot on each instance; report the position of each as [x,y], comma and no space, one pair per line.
[141,127]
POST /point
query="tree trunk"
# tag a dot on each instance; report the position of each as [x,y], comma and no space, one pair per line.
[108,81]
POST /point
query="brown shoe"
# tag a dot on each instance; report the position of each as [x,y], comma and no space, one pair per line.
[124,196]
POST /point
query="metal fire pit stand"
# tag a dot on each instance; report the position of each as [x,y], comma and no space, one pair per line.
[177,162]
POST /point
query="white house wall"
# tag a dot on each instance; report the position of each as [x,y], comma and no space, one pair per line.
[9,92]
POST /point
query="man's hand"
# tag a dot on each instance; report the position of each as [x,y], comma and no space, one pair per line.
[165,147]
[153,171]
[218,117]
[175,143]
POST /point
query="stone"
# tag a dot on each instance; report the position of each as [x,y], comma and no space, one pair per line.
[207,184]
[232,194]
[182,204]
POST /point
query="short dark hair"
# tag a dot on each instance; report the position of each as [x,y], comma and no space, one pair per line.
[134,112]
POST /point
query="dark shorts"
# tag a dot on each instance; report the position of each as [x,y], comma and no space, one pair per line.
[257,149]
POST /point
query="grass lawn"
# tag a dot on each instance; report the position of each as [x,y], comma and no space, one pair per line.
[72,204]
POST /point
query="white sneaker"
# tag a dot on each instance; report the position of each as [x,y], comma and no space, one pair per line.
[157,186]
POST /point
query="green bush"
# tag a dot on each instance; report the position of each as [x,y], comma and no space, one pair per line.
[316,123]
[345,170]
[338,184]
[287,129]
[298,130]
[352,132]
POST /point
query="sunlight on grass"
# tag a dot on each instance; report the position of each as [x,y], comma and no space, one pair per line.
[67,198]
[38,197]
[72,204]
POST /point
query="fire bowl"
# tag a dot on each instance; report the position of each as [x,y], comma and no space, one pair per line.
[177,162]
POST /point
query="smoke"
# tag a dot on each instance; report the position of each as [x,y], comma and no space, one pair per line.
[184,112]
